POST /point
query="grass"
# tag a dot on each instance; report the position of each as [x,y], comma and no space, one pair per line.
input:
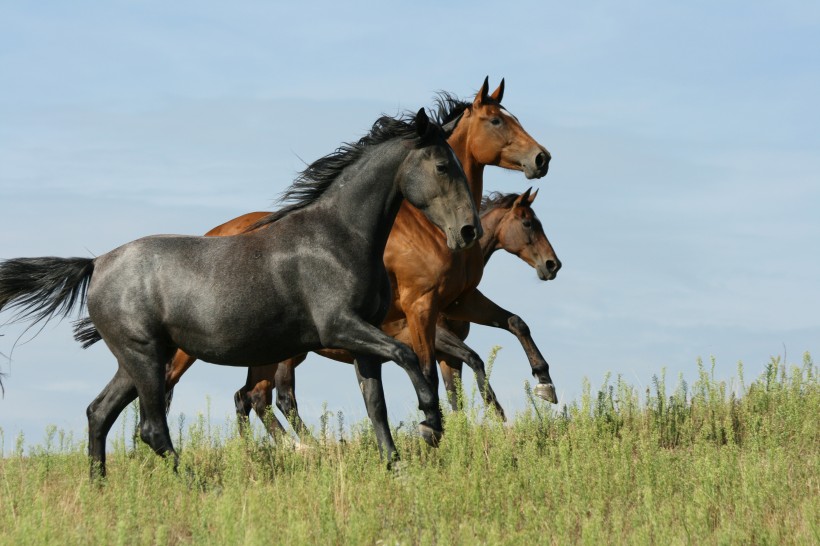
[708,463]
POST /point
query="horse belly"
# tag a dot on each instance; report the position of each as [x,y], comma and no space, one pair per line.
[244,336]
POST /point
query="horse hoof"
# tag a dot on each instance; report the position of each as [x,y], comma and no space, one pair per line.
[547,392]
[430,435]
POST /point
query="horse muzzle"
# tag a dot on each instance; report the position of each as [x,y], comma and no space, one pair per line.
[548,270]
[464,238]
[538,166]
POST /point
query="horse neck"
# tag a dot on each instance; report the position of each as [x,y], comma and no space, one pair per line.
[490,221]
[473,169]
[366,197]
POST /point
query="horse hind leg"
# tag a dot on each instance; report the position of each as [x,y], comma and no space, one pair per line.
[149,370]
[102,413]
[451,374]
[243,405]
[261,398]
[173,372]
[285,380]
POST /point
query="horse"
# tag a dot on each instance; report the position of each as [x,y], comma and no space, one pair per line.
[313,278]
[426,277]
[508,222]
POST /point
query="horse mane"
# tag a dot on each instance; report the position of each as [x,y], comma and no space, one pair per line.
[496,200]
[449,106]
[314,181]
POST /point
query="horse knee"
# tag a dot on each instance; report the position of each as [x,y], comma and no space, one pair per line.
[518,325]
[285,401]
[405,357]
[242,402]
[156,436]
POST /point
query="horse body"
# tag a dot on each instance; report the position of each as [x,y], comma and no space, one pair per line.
[161,280]
[314,277]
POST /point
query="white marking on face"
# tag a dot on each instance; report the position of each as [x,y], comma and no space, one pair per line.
[508,114]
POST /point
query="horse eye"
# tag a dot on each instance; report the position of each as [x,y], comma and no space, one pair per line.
[441,169]
[527,224]
[496,121]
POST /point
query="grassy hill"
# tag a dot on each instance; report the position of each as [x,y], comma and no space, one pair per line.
[708,463]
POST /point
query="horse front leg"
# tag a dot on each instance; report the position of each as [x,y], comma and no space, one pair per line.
[476,307]
[363,339]
[452,352]
[421,316]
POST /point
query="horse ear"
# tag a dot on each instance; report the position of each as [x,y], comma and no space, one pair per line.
[482,95]
[532,197]
[449,127]
[498,93]
[523,198]
[422,122]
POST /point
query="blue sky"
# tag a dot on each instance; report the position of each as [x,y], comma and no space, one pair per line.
[682,198]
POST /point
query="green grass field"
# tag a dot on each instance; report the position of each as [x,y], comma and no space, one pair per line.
[712,462]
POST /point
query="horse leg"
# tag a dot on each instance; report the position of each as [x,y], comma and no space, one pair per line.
[476,307]
[102,413]
[256,394]
[285,381]
[261,397]
[369,375]
[451,374]
[421,317]
[243,405]
[173,371]
[148,365]
[454,352]
[362,338]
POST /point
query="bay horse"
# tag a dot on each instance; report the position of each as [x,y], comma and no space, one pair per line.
[509,223]
[426,277]
[313,278]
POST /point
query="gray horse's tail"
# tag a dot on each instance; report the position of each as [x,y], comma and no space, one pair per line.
[85,332]
[39,288]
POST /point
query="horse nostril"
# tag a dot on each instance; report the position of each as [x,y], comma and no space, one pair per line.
[468,234]
[552,266]
[541,159]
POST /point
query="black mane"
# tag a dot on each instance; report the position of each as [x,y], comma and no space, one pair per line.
[449,107]
[496,200]
[312,182]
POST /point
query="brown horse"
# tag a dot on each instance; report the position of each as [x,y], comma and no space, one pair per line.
[426,277]
[509,223]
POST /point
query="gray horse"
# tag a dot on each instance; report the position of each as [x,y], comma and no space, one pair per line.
[312,277]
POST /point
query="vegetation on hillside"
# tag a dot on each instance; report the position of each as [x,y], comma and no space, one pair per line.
[712,462]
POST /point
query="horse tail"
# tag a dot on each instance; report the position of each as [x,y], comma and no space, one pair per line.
[85,332]
[38,288]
